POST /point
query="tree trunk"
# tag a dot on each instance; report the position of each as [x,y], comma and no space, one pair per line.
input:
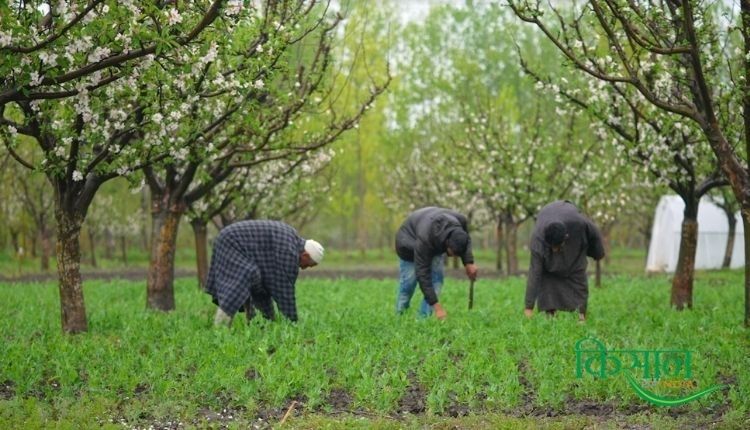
[500,245]
[345,231]
[34,242]
[730,240]
[109,244]
[145,240]
[511,245]
[456,262]
[73,310]
[385,235]
[160,289]
[645,230]
[14,241]
[360,211]
[741,192]
[598,279]
[92,243]
[682,283]
[607,243]
[124,249]
[46,239]
[746,224]
[201,250]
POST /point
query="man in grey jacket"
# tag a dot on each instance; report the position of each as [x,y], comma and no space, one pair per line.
[561,241]
[422,242]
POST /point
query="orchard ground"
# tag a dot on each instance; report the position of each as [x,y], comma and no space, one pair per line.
[351,363]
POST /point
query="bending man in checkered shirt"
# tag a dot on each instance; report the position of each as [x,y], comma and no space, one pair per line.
[256,263]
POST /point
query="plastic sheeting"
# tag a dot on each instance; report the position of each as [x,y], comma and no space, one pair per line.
[712,236]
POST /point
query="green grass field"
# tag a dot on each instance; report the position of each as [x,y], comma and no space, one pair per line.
[350,362]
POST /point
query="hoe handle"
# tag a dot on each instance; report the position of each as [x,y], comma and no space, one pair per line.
[471,295]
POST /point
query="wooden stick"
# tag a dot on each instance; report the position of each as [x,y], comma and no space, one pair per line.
[471,295]
[288,412]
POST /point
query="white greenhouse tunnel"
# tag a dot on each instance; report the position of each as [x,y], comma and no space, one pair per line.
[712,236]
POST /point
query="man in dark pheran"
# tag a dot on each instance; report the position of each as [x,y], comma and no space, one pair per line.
[256,263]
[422,242]
[561,241]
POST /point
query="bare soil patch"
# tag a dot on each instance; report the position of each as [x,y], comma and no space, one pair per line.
[7,390]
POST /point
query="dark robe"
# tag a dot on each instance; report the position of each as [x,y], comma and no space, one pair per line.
[558,280]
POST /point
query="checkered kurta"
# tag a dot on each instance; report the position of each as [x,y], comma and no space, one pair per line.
[256,260]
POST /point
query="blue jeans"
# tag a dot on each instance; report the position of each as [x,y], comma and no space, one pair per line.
[408,283]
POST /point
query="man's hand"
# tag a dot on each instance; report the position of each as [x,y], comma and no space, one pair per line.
[471,271]
[439,311]
[528,312]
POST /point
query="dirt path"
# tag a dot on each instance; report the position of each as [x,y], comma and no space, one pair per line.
[140,274]
[131,274]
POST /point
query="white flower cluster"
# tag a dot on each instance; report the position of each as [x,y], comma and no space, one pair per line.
[180,154]
[35,78]
[210,56]
[173,16]
[48,58]
[99,53]
[125,39]
[80,45]
[234,7]
[663,84]
[201,206]
[83,105]
[5,38]
[135,11]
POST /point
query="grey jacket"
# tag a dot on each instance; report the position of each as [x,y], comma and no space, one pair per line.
[422,237]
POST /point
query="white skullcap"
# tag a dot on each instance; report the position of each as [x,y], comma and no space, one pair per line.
[315,250]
